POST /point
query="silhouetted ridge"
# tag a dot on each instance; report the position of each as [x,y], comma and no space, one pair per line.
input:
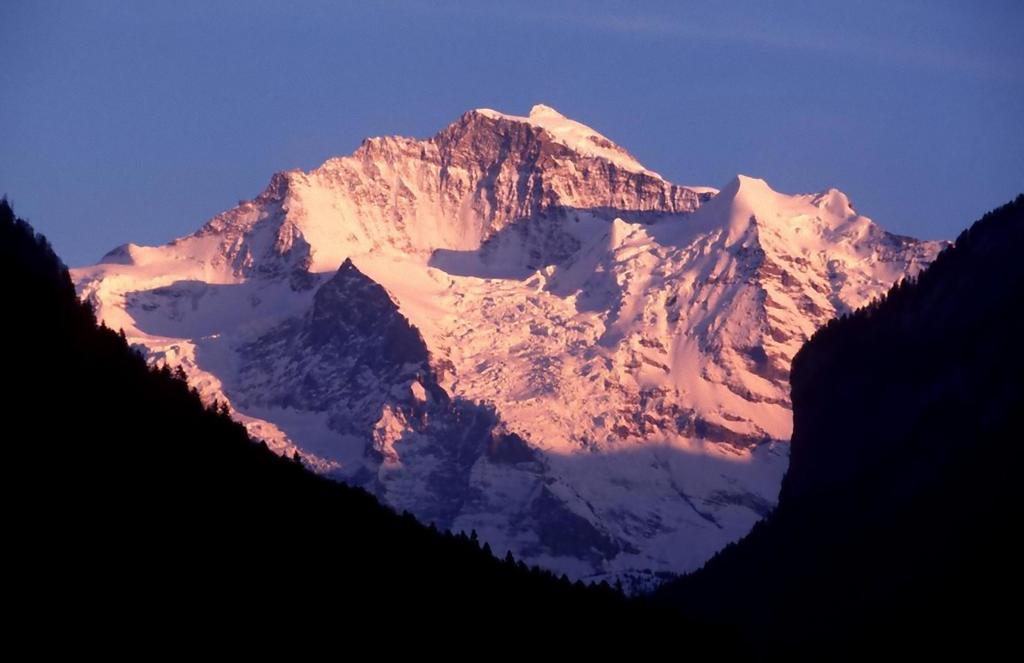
[146,501]
[896,517]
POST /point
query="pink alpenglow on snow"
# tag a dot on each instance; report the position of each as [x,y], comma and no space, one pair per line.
[593,349]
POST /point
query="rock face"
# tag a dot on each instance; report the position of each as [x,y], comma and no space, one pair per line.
[515,327]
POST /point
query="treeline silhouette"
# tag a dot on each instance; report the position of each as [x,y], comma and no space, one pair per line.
[132,500]
[896,521]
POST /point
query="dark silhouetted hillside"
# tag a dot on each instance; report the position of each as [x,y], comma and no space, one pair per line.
[130,502]
[896,520]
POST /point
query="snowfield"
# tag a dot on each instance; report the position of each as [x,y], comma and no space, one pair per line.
[515,327]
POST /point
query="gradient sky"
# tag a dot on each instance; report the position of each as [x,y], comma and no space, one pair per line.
[126,121]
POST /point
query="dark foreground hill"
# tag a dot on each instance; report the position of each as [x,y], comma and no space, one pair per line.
[130,502]
[897,520]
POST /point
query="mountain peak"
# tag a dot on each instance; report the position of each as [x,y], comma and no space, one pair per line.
[756,193]
[574,135]
[350,303]
[834,201]
[737,201]
[745,186]
[470,251]
[745,199]
[347,277]
[540,111]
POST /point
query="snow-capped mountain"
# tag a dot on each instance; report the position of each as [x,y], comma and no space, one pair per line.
[515,327]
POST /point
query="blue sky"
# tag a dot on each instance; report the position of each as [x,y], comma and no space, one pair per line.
[125,121]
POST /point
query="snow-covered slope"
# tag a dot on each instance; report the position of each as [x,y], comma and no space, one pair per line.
[515,327]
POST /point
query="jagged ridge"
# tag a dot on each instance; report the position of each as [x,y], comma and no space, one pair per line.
[631,335]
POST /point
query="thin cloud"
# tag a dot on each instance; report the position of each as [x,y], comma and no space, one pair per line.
[939,58]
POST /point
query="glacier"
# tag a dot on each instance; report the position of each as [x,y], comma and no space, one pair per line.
[516,328]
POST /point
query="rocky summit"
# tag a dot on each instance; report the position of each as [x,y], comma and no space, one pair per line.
[514,327]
